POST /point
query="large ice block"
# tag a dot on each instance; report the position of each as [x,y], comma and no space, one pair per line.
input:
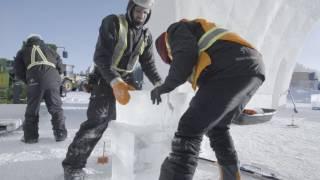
[137,151]
[141,112]
[142,133]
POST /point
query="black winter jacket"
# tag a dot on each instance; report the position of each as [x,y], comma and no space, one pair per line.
[43,72]
[229,59]
[108,35]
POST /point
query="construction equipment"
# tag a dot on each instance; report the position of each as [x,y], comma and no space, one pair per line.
[4,81]
[11,89]
[72,81]
[68,78]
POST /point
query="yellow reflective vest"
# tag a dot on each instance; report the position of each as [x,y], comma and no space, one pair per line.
[121,46]
[44,61]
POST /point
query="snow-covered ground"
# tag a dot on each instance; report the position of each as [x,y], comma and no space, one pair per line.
[293,152]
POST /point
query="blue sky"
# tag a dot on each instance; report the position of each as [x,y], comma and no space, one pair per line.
[74,24]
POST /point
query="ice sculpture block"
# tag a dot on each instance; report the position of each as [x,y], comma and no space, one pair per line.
[142,133]
[315,101]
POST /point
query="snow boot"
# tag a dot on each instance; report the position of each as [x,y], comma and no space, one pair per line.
[60,135]
[73,174]
[28,140]
[229,172]
[30,129]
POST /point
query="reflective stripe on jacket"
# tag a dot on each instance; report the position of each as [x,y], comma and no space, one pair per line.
[44,60]
[211,35]
[122,45]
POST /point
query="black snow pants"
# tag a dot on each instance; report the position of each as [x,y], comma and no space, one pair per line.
[210,113]
[101,109]
[43,84]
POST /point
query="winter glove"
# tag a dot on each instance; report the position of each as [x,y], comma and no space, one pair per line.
[121,90]
[87,87]
[63,92]
[157,91]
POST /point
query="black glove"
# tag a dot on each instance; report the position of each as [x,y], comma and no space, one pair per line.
[63,92]
[87,87]
[156,93]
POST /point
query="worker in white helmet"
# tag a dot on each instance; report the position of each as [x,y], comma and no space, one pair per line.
[39,66]
[123,42]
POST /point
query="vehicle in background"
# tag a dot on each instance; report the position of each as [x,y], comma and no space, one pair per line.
[72,81]
[12,90]
[303,85]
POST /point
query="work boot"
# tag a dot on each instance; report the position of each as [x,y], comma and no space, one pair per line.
[73,174]
[60,135]
[30,129]
[229,172]
[29,140]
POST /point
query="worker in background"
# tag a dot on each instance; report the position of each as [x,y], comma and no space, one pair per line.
[227,70]
[122,43]
[40,67]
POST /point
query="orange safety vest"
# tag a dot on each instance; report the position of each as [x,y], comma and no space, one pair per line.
[214,33]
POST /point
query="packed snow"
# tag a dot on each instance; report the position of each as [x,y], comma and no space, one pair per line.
[290,151]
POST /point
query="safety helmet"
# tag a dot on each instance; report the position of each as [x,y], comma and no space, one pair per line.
[144,3]
[35,36]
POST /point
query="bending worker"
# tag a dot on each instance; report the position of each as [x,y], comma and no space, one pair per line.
[40,67]
[227,71]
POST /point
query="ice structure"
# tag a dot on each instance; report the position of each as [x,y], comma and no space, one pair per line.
[142,134]
[277,28]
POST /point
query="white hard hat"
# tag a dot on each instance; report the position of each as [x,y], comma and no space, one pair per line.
[144,3]
[34,35]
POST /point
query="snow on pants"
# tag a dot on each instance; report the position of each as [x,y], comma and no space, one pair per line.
[101,110]
[210,112]
[38,90]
